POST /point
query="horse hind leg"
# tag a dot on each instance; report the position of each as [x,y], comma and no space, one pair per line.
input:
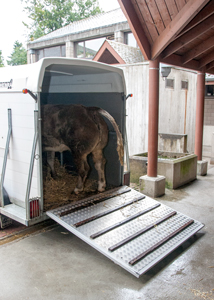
[99,163]
[82,169]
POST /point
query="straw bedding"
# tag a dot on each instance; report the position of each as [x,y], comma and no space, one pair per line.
[59,192]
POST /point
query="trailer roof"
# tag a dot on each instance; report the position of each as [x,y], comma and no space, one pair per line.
[31,76]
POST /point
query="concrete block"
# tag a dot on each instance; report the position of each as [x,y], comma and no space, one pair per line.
[202,166]
[152,186]
[177,168]
[172,142]
[138,167]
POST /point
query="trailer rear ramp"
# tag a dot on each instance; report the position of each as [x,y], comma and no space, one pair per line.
[131,229]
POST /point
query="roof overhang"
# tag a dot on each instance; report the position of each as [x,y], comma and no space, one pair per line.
[179,33]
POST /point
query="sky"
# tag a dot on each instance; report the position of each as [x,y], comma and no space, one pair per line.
[12,29]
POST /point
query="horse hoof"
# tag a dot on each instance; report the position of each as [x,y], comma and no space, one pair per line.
[77,191]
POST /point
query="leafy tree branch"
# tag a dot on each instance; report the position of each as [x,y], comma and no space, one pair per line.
[48,15]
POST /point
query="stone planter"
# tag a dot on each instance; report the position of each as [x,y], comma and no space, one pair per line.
[178,168]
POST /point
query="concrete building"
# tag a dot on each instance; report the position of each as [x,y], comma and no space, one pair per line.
[75,39]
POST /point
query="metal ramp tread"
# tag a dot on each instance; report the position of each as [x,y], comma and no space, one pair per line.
[133,230]
[14,212]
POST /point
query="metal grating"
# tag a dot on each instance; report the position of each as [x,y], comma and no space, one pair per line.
[133,230]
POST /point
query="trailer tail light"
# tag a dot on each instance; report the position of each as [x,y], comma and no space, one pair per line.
[34,208]
[24,91]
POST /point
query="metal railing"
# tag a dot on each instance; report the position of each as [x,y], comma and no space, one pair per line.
[30,174]
[6,154]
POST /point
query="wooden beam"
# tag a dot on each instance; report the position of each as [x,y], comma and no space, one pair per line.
[211,71]
[189,36]
[206,12]
[207,59]
[210,66]
[176,60]
[186,14]
[136,27]
[198,50]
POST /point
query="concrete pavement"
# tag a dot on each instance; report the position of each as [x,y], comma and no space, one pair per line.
[54,264]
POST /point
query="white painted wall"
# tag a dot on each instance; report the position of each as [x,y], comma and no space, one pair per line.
[207,140]
[21,142]
[208,127]
[174,102]
[171,108]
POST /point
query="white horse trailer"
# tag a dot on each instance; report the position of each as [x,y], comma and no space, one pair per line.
[131,229]
[23,89]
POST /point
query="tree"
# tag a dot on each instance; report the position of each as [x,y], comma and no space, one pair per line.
[49,15]
[1,59]
[18,56]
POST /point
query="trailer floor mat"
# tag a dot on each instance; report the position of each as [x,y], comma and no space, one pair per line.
[133,230]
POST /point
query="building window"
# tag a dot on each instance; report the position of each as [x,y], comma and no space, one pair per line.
[88,49]
[209,90]
[184,85]
[62,51]
[130,39]
[57,51]
[169,83]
